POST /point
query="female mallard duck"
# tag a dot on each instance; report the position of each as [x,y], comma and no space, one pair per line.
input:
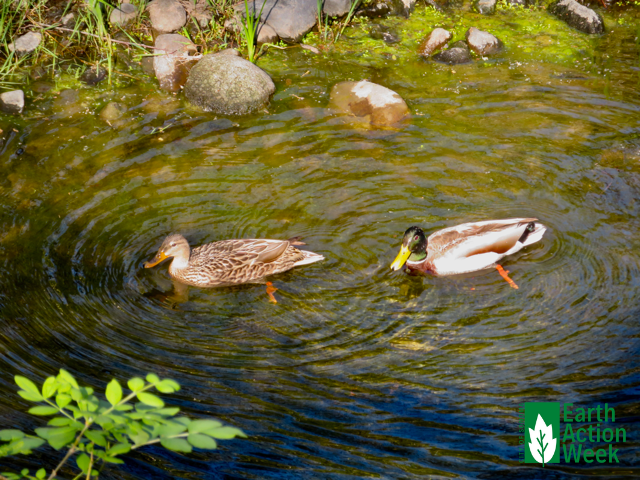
[468,247]
[230,262]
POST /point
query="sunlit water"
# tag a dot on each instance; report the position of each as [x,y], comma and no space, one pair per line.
[356,372]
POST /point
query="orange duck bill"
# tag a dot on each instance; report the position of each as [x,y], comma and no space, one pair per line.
[160,257]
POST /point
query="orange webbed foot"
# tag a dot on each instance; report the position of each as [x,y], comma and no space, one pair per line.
[503,273]
[271,289]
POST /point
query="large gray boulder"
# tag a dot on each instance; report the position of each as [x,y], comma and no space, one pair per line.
[228,85]
[290,19]
[123,14]
[336,8]
[371,102]
[577,16]
[167,15]
[486,7]
[171,63]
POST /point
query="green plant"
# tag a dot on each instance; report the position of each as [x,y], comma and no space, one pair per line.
[352,10]
[249,27]
[100,431]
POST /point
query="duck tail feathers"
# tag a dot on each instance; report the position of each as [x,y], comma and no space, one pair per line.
[309,257]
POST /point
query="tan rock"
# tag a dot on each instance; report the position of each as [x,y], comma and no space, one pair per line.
[374,103]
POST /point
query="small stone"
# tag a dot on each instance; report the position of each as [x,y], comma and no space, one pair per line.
[41,87]
[577,16]
[228,85]
[12,102]
[437,39]
[266,34]
[69,20]
[486,7]
[66,98]
[384,33]
[374,103]
[203,17]
[457,54]
[123,15]
[94,75]
[113,111]
[167,15]
[483,43]
[25,44]
[232,25]
[171,63]
[37,73]
[290,19]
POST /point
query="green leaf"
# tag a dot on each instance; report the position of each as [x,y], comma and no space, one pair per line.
[150,399]
[66,377]
[198,426]
[186,421]
[176,444]
[8,435]
[167,386]
[124,408]
[40,474]
[96,437]
[27,444]
[43,410]
[59,422]
[49,387]
[58,437]
[202,441]
[171,429]
[112,460]
[225,433]
[114,392]
[135,384]
[119,449]
[27,385]
[153,378]
[168,411]
[83,462]
[63,399]
[30,396]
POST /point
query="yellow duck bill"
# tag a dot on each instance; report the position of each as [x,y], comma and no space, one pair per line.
[401,259]
[155,260]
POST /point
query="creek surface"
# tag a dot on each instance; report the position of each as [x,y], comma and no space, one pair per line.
[357,371]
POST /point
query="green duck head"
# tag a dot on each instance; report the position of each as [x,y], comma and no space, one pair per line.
[414,248]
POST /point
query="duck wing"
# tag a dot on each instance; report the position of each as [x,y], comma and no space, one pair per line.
[496,238]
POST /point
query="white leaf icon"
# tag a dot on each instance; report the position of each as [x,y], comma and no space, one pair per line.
[542,445]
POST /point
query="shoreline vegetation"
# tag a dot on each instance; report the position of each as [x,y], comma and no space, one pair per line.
[75,36]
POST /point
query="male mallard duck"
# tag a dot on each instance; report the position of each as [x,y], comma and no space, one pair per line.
[230,262]
[467,247]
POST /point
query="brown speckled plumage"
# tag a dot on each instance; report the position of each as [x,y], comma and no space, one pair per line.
[230,262]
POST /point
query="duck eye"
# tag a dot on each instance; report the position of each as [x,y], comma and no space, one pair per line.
[172,245]
[416,237]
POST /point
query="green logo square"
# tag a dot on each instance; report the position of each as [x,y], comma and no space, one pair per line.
[542,432]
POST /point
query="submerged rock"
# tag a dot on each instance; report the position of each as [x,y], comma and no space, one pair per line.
[26,43]
[437,39]
[113,111]
[171,64]
[228,84]
[167,15]
[123,15]
[290,19]
[457,54]
[374,103]
[69,20]
[486,7]
[12,102]
[384,33]
[94,75]
[577,16]
[483,43]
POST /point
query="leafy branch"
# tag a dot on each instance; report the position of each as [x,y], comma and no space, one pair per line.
[99,430]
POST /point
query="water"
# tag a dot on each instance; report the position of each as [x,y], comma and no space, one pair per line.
[357,372]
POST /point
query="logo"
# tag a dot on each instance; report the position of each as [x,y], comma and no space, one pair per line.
[542,429]
[588,435]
